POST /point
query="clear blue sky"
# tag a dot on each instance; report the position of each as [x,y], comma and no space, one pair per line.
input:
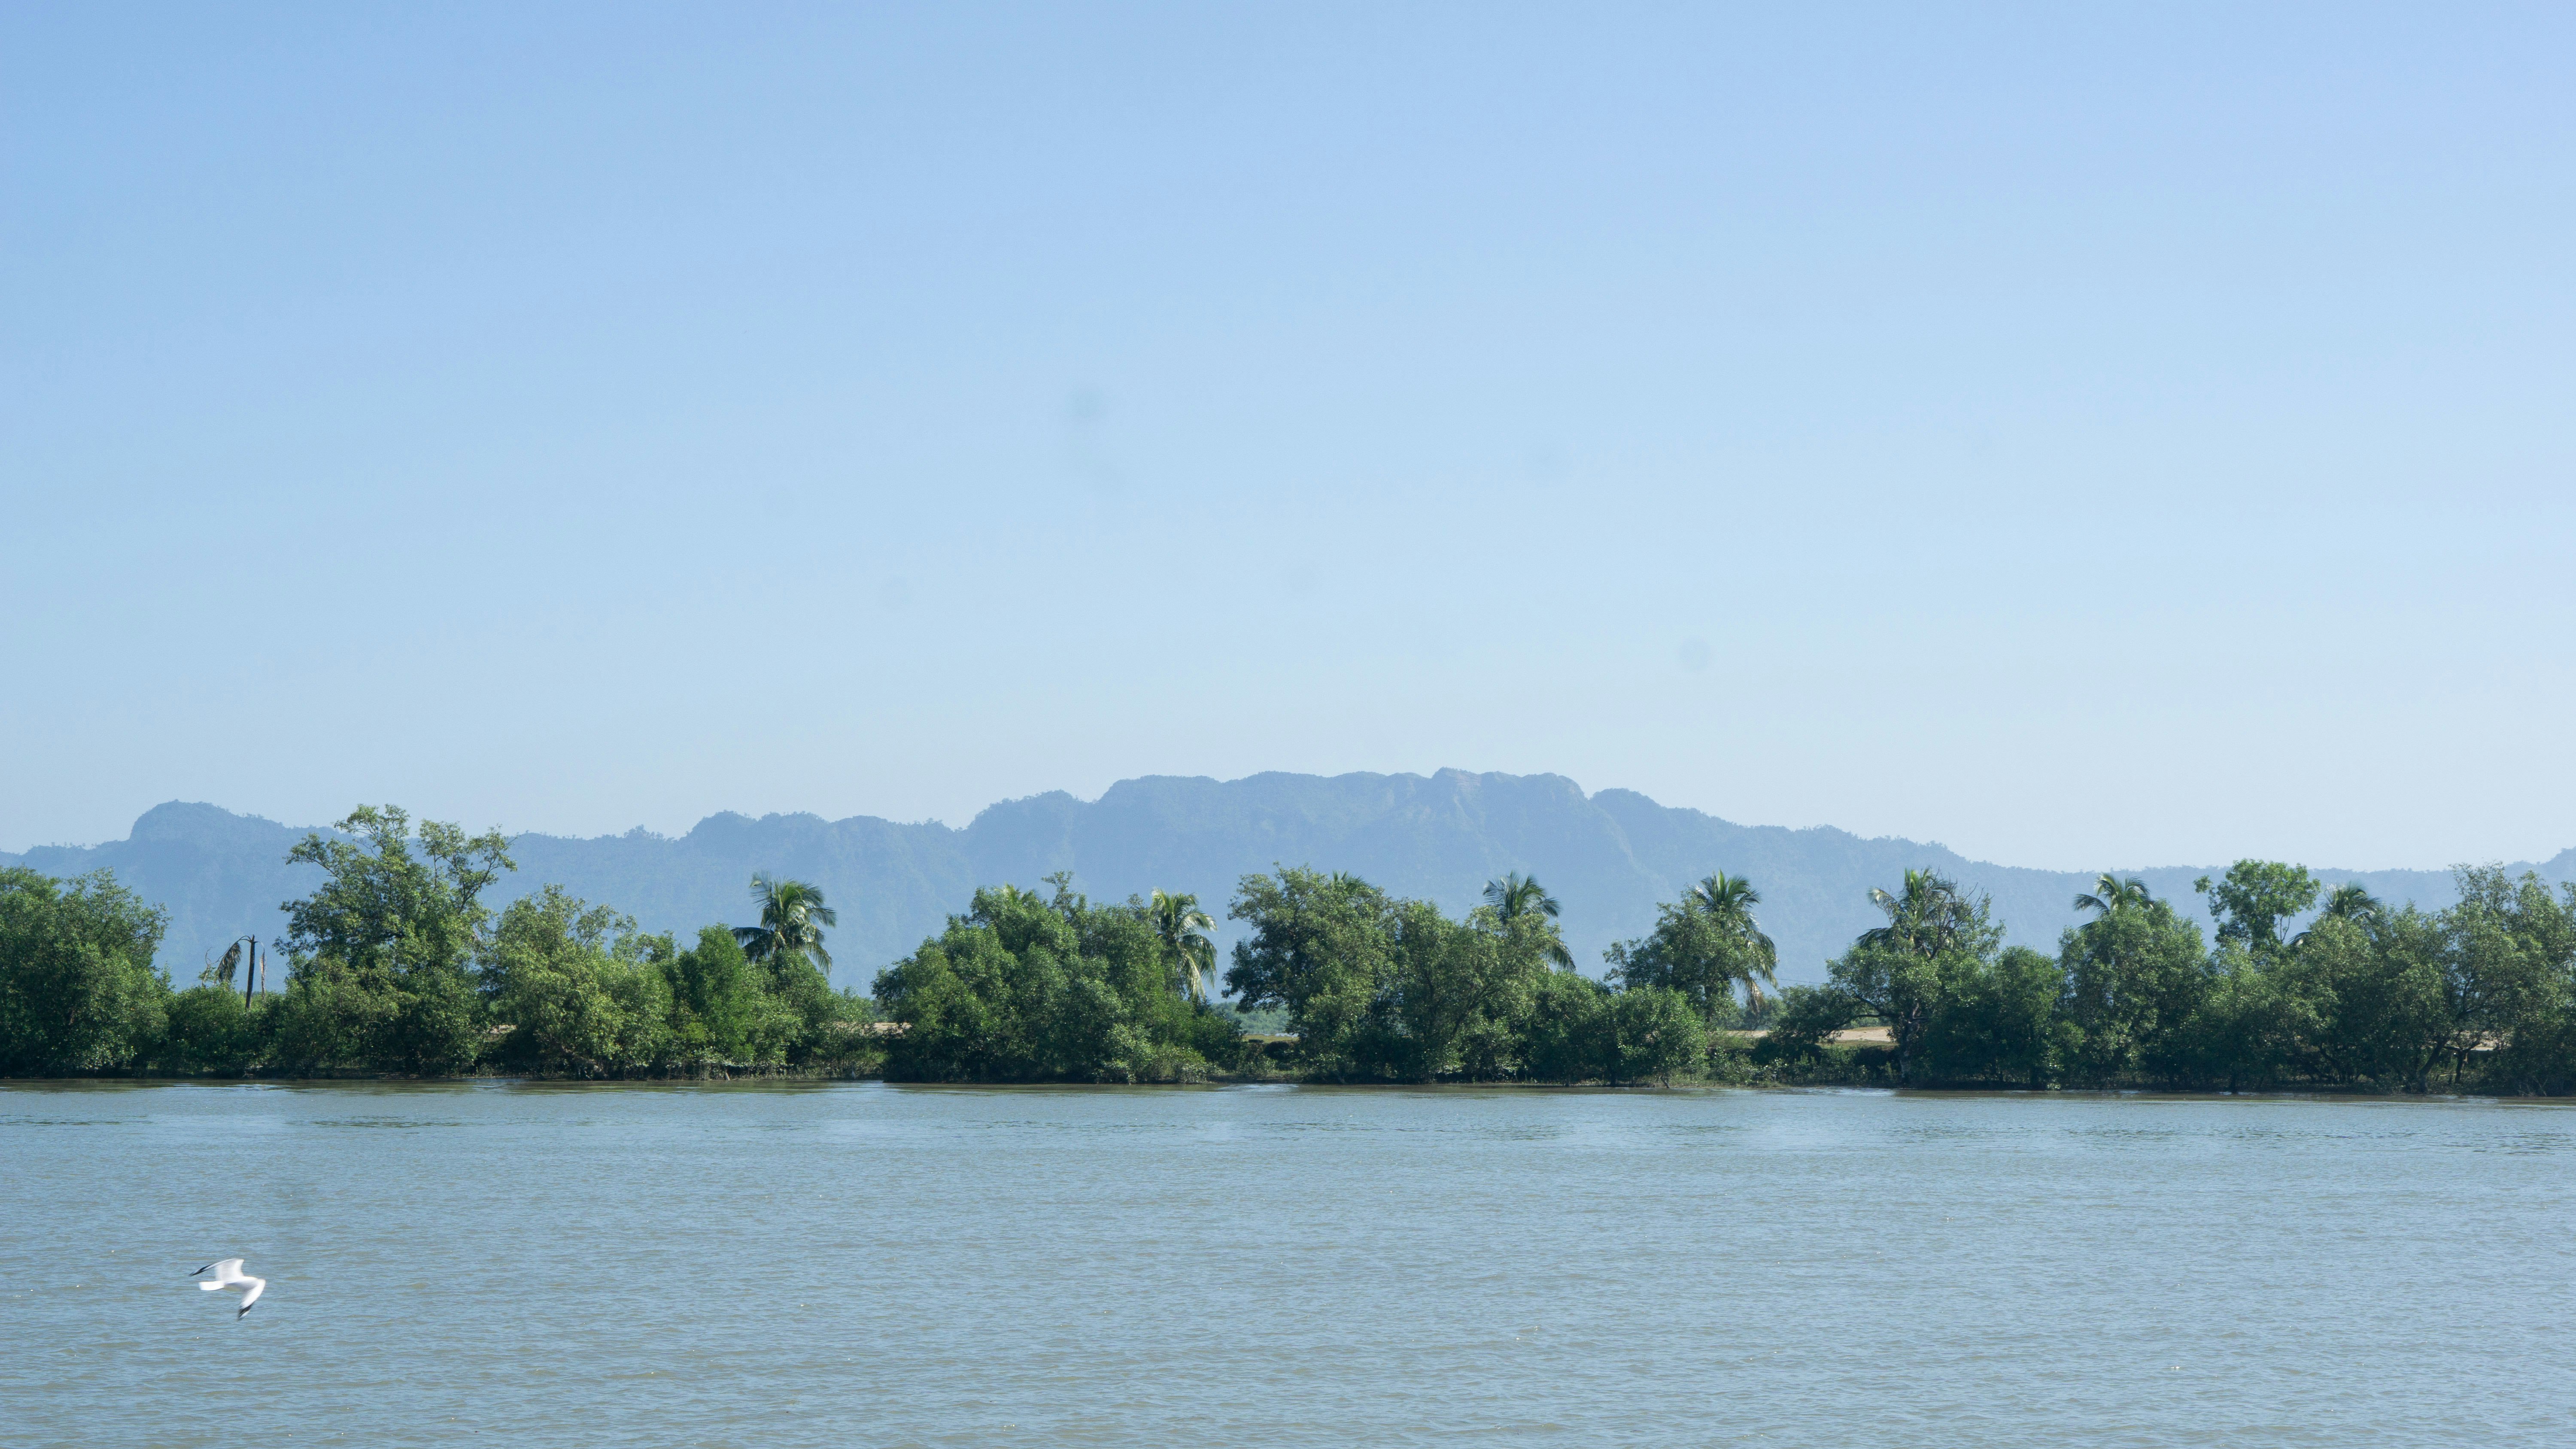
[2086,436]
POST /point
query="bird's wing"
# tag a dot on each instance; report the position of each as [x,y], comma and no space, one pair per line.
[257,1287]
[226,1269]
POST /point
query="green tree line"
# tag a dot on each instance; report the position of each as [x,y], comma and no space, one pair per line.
[2478,996]
[1030,987]
[1376,988]
[395,965]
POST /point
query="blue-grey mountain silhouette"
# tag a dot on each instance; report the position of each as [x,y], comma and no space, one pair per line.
[1609,856]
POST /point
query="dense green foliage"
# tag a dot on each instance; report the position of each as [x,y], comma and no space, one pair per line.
[77,988]
[397,966]
[1032,988]
[381,954]
[1380,989]
[1707,946]
[2479,996]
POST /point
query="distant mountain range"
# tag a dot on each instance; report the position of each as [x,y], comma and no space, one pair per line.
[1608,856]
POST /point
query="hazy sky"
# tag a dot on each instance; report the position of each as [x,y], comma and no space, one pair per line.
[2085,436]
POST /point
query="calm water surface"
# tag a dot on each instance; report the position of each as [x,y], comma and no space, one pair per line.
[862,1264]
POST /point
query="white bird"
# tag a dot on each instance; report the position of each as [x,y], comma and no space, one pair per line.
[228,1276]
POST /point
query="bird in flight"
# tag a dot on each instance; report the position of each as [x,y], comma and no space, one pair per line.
[228,1276]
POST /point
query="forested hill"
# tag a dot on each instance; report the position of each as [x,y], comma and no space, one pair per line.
[1609,857]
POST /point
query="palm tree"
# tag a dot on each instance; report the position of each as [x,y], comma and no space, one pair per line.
[1728,902]
[1891,968]
[2351,901]
[792,914]
[1923,919]
[1182,928]
[1517,895]
[2110,893]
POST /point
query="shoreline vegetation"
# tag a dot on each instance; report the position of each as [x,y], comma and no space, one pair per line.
[395,968]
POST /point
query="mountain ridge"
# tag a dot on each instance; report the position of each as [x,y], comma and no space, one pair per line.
[1610,856]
